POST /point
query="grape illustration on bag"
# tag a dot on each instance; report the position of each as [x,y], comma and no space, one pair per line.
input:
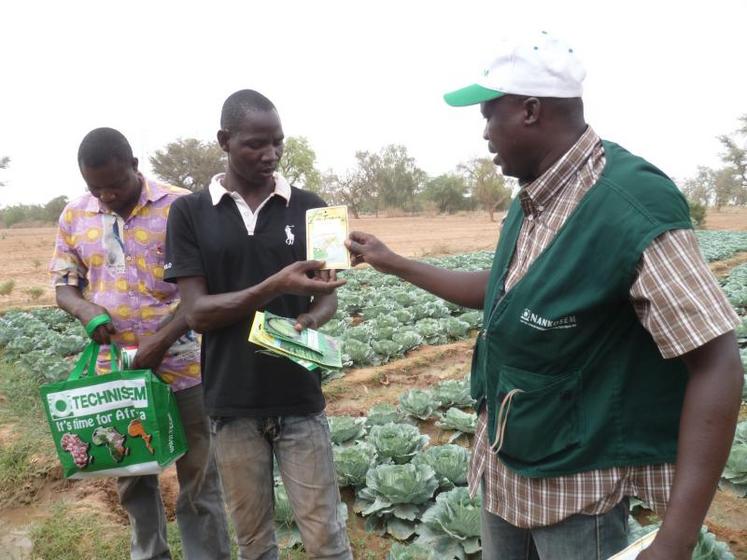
[78,449]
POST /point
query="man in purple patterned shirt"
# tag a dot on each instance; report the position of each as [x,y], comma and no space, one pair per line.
[109,259]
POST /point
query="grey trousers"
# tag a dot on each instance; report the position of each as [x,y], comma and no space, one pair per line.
[301,444]
[579,537]
[200,514]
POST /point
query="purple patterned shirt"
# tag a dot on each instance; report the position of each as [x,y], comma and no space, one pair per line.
[118,264]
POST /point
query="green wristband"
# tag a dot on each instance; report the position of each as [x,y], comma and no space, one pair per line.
[96,322]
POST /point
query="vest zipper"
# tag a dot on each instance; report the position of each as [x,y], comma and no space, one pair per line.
[496,303]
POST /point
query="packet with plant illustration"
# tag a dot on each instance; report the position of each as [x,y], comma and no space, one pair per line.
[326,232]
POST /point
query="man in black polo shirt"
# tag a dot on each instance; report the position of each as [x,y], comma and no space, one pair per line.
[235,248]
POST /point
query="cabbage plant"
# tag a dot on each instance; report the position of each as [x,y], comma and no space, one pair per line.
[407,339]
[345,428]
[383,414]
[360,353]
[412,551]
[734,477]
[710,548]
[453,392]
[431,330]
[387,349]
[451,528]
[397,442]
[455,419]
[455,328]
[352,463]
[393,498]
[418,403]
[450,463]
[472,318]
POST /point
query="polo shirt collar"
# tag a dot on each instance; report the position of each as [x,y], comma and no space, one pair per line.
[218,191]
[537,194]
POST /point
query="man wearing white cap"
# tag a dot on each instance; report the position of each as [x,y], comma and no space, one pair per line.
[607,356]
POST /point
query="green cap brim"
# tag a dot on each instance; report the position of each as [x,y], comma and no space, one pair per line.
[471,95]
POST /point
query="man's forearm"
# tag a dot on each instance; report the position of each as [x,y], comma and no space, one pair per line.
[462,288]
[71,300]
[172,327]
[709,415]
[211,312]
[323,308]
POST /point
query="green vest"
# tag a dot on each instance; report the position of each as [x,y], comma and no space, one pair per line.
[569,376]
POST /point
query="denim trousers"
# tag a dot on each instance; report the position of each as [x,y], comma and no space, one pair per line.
[200,513]
[245,447]
[579,537]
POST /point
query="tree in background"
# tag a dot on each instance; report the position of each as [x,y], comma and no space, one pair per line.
[701,188]
[188,163]
[298,164]
[726,186]
[54,208]
[714,187]
[734,181]
[487,185]
[697,213]
[448,192]
[391,178]
[23,213]
[4,162]
[350,189]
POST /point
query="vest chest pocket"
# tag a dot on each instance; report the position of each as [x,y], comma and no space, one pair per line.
[538,415]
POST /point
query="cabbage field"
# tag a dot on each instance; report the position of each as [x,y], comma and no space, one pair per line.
[405,486]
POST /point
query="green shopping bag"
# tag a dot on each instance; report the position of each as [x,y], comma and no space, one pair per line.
[123,423]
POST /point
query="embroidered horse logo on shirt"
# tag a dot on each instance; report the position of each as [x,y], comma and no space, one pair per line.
[290,238]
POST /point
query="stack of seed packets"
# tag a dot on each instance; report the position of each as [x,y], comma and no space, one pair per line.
[309,348]
[326,232]
[633,550]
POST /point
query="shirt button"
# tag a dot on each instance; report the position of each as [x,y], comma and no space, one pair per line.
[129,257]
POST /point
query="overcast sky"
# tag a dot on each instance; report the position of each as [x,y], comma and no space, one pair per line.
[663,78]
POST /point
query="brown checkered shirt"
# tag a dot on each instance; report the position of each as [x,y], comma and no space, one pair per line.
[677,300]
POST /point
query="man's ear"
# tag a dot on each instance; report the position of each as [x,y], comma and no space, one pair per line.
[134,163]
[532,109]
[223,136]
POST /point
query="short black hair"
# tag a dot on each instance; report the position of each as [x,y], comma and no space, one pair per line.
[102,145]
[239,104]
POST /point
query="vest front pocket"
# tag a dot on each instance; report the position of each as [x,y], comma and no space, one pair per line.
[537,414]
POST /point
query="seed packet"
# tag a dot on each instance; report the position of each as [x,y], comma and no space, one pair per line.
[326,232]
[632,551]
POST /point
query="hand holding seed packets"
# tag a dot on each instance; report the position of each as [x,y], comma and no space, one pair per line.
[326,232]
[309,348]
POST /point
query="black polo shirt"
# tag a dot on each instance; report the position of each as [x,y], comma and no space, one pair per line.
[212,241]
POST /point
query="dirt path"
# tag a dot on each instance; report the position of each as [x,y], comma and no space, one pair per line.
[722,268]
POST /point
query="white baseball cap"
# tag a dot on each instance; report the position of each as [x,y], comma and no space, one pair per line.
[538,65]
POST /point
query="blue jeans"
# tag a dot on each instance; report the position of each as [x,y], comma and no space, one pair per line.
[245,447]
[579,537]
[200,514]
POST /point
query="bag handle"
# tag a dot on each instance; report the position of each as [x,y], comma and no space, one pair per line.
[96,322]
[85,366]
